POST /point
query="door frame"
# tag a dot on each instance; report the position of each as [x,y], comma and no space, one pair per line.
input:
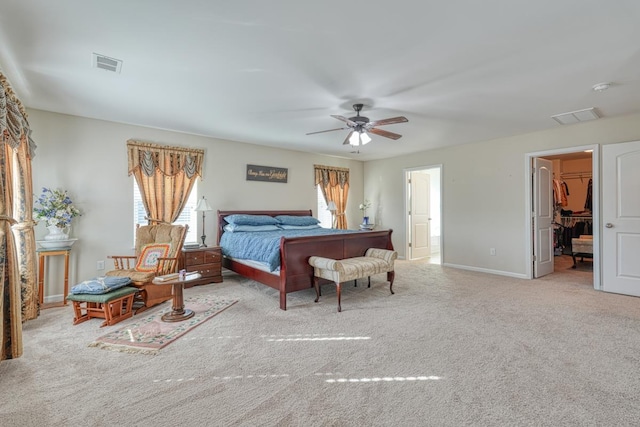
[595,165]
[407,224]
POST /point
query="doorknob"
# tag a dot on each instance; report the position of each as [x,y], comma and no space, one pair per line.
[608,225]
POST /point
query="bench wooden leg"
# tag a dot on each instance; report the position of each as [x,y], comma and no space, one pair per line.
[391,275]
[317,286]
[338,290]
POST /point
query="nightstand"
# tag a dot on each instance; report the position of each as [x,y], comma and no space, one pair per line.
[205,260]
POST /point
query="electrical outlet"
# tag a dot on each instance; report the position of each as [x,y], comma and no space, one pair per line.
[100,265]
[492,251]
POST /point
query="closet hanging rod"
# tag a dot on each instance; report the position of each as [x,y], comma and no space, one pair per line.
[577,177]
[575,174]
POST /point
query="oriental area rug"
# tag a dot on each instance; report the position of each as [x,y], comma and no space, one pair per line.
[149,333]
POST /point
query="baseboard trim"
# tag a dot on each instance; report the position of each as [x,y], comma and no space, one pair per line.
[53,298]
[487,270]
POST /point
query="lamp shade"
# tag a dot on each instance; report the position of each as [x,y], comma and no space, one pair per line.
[365,138]
[331,206]
[354,139]
[203,205]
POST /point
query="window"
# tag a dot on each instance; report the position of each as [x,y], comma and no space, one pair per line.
[188,216]
[323,214]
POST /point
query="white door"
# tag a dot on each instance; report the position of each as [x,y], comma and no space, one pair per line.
[621,218]
[542,217]
[420,206]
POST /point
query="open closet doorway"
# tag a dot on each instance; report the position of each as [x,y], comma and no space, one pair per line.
[563,208]
[423,213]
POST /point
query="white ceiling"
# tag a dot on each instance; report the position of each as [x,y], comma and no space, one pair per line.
[268,72]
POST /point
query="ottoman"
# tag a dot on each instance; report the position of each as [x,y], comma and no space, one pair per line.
[113,306]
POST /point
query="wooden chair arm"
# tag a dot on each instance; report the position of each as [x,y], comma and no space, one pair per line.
[123,262]
[166,266]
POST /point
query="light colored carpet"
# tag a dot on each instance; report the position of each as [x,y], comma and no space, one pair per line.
[450,348]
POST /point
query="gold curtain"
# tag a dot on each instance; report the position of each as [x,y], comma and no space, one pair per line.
[165,177]
[24,230]
[334,183]
[18,292]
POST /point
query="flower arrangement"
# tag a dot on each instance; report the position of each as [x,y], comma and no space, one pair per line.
[55,207]
[364,206]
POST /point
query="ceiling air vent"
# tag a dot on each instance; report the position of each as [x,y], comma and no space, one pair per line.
[576,116]
[106,63]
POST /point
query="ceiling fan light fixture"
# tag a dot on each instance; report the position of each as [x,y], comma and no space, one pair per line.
[361,126]
[365,138]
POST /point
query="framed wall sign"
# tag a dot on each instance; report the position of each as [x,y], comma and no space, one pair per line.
[266,173]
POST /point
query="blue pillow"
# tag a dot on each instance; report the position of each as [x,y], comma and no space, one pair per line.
[243,219]
[297,220]
[298,227]
[100,285]
[233,228]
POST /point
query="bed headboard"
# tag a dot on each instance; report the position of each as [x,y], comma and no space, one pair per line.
[223,214]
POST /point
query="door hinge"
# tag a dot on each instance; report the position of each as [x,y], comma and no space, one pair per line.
[409,244]
[534,258]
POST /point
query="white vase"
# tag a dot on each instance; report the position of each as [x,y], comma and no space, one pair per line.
[57,233]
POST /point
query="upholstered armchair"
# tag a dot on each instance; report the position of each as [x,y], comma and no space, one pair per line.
[157,250]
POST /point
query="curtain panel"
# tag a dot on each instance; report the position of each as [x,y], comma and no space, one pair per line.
[18,292]
[334,184]
[165,176]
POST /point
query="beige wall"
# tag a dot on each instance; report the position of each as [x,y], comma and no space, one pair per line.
[483,191]
[88,158]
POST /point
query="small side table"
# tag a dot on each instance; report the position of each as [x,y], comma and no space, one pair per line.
[42,255]
[178,313]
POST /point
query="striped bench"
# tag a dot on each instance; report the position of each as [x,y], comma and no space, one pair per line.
[374,261]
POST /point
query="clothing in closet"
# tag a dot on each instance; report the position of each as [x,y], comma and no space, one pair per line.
[589,201]
[560,192]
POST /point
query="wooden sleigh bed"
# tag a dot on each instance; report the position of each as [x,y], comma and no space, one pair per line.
[295,273]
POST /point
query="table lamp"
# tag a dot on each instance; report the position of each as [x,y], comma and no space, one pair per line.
[203,206]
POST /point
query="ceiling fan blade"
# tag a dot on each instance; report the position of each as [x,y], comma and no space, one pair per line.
[344,119]
[323,131]
[346,140]
[390,121]
[385,133]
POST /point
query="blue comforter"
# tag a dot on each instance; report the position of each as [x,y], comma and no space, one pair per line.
[264,246]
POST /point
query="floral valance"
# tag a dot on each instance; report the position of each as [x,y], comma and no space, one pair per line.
[14,126]
[170,161]
[331,175]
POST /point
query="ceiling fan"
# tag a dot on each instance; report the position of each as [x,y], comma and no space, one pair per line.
[361,126]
